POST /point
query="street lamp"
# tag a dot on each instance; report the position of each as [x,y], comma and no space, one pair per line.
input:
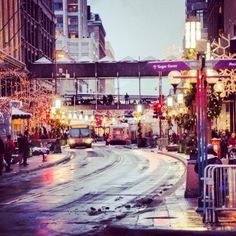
[172,76]
[192,32]
[180,98]
[58,103]
[139,108]
[170,101]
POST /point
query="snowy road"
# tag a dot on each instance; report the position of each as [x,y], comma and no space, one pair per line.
[97,187]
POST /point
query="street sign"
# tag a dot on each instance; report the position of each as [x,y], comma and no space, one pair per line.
[221,64]
[167,66]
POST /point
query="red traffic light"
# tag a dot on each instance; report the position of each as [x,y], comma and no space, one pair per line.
[157,106]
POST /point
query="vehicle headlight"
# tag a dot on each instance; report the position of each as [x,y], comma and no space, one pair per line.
[88,141]
[71,141]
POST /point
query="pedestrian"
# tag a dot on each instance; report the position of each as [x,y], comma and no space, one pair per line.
[1,155]
[110,99]
[104,100]
[223,144]
[57,146]
[25,147]
[232,140]
[126,98]
[20,141]
[9,148]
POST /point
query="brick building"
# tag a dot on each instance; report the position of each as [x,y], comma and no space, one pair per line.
[27,29]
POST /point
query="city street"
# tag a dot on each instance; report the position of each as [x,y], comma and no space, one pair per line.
[99,186]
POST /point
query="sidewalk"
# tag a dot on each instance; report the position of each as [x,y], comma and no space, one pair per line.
[175,215]
[36,163]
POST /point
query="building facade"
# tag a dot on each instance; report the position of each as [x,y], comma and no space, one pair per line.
[97,31]
[27,29]
[221,21]
[215,19]
[221,18]
[72,37]
[197,9]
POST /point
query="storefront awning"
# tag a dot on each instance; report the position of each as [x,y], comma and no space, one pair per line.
[19,114]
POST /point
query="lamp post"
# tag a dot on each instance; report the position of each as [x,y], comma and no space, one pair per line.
[174,80]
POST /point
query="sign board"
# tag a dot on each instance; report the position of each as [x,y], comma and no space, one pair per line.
[221,64]
[167,66]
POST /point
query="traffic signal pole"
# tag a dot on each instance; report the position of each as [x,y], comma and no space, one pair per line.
[160,102]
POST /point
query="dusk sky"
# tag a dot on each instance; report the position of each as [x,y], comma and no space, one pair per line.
[139,28]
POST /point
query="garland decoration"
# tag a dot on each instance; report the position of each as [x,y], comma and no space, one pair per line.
[214,105]
[185,121]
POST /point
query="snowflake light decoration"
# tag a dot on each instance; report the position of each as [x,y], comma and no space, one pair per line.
[221,50]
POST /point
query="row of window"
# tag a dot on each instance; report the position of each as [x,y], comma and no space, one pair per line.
[73,27]
[71,20]
[72,5]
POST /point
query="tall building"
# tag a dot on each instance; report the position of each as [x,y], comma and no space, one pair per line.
[97,31]
[197,9]
[27,29]
[72,37]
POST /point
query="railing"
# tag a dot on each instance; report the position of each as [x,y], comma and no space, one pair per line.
[219,192]
[162,143]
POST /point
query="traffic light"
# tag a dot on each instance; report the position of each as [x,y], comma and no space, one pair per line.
[98,121]
[157,109]
[155,114]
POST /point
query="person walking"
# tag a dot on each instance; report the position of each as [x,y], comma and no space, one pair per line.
[25,148]
[223,144]
[104,100]
[20,141]
[126,98]
[9,148]
[1,155]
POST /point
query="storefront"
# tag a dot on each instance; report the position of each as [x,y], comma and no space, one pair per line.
[20,121]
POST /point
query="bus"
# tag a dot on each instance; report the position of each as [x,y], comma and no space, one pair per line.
[80,135]
[119,134]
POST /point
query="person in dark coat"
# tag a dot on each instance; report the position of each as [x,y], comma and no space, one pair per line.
[25,148]
[9,148]
[104,99]
[20,144]
[223,145]
[126,98]
[57,147]
[110,99]
[1,155]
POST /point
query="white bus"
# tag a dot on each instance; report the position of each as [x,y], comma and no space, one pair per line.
[80,135]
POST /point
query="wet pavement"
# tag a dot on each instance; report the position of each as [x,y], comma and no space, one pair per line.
[38,162]
[175,215]
[140,196]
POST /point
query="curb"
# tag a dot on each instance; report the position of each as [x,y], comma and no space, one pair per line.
[176,156]
[128,231]
[67,157]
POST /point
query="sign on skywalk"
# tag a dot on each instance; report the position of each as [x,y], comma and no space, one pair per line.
[167,66]
[222,64]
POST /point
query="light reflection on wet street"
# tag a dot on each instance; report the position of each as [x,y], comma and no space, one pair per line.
[98,186]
